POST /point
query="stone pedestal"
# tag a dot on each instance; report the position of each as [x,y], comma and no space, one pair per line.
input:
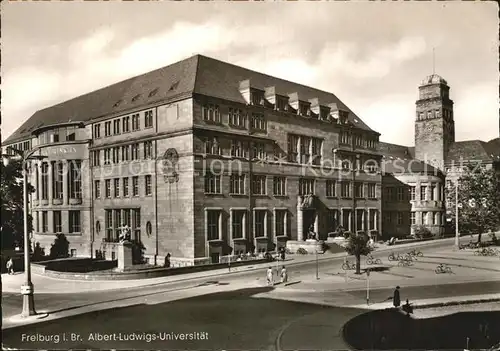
[310,245]
[124,256]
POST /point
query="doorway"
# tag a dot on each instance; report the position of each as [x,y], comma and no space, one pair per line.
[308,222]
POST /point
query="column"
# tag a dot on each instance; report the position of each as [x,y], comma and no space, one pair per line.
[221,234]
[243,225]
[341,219]
[37,181]
[375,219]
[300,229]
[286,223]
[51,186]
[350,221]
[230,225]
[65,221]
[429,190]
[363,220]
[65,183]
[299,150]
[316,225]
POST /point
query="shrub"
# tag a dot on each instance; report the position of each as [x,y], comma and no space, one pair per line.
[333,234]
[422,232]
[301,251]
[347,234]
[38,253]
[288,251]
[60,247]
[494,239]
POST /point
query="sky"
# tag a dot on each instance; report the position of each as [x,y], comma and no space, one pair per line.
[372,55]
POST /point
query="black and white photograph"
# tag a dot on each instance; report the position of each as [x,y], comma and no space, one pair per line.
[250,175]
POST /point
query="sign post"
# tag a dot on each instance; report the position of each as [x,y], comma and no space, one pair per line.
[368,286]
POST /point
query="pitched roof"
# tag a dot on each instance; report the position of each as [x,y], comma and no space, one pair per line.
[197,74]
[399,166]
[474,150]
[393,150]
[220,79]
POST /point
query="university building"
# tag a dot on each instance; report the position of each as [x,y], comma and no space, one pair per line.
[201,159]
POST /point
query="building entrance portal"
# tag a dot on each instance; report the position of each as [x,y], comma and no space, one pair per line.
[309,223]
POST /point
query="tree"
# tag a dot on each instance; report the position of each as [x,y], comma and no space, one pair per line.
[478,201]
[12,212]
[60,247]
[357,245]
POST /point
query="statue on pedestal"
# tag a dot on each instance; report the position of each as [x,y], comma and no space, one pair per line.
[125,233]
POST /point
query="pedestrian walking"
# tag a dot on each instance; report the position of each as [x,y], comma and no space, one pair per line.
[396,299]
[10,266]
[284,275]
[270,276]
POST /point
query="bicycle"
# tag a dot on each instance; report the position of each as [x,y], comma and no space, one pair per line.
[372,260]
[348,265]
[443,268]
[416,253]
[405,263]
[393,257]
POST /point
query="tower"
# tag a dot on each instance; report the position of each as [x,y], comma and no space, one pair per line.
[434,124]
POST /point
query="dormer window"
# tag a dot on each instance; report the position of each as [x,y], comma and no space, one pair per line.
[343,117]
[324,113]
[281,104]
[303,109]
[257,97]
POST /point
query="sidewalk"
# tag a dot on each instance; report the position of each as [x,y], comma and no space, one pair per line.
[47,285]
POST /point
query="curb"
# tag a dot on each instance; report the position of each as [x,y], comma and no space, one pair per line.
[456,303]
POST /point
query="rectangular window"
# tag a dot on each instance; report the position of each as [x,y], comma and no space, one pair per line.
[358,190]
[210,112]
[293,153]
[259,151]
[107,184]
[57,220]
[237,184]
[117,223]
[136,224]
[306,186]
[148,185]
[316,147]
[330,188]
[125,187]
[135,122]
[135,186]
[279,186]
[97,131]
[401,194]
[345,138]
[126,153]
[74,222]
[345,189]
[212,183]
[116,187]
[239,148]
[213,218]
[372,191]
[116,155]
[238,223]
[97,189]
[107,128]
[423,192]
[258,122]
[433,191]
[413,218]
[107,156]
[75,181]
[259,185]
[58,180]
[126,124]
[148,150]
[148,119]
[372,224]
[109,224]
[212,146]
[236,118]
[45,222]
[280,223]
[116,126]
[260,223]
[412,192]
[400,218]
[305,143]
[134,151]
[390,193]
[45,181]
[96,158]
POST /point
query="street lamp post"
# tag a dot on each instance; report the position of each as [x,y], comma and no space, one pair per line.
[27,289]
[317,264]
[457,234]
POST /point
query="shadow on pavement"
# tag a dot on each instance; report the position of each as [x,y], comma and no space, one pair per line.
[231,320]
[389,329]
